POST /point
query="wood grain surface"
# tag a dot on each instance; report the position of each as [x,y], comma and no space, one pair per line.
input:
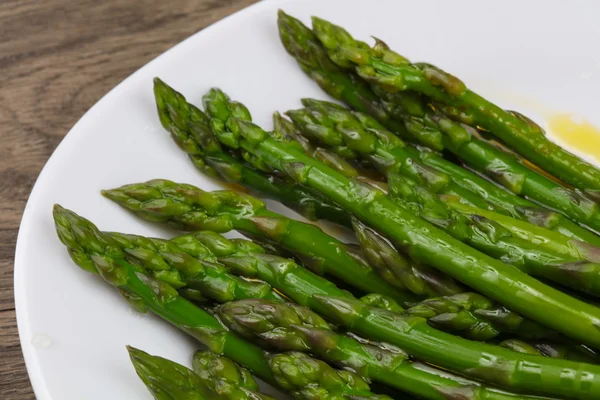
[57,58]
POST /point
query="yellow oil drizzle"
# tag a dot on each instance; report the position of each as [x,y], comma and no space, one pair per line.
[579,135]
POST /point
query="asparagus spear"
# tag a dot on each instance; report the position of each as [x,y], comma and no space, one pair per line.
[413,334]
[503,167]
[423,241]
[180,263]
[549,349]
[95,252]
[312,57]
[390,263]
[167,380]
[538,251]
[191,263]
[83,238]
[190,208]
[189,129]
[468,313]
[307,378]
[167,262]
[225,377]
[289,327]
[393,73]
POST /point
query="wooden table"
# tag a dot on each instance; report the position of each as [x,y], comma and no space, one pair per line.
[57,58]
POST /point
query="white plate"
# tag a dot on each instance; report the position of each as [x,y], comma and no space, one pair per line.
[74,328]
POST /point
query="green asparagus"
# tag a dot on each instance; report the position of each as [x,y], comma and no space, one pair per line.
[307,378]
[549,349]
[168,380]
[538,251]
[288,327]
[193,276]
[303,45]
[220,379]
[95,252]
[191,263]
[413,334]
[383,149]
[82,237]
[395,73]
[390,263]
[503,167]
[225,377]
[422,241]
[189,208]
[189,129]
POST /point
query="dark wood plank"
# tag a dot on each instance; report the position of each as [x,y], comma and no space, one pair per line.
[14,382]
[57,58]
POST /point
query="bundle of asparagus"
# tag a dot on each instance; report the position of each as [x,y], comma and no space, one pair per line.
[444,294]
[213,377]
[329,55]
[141,270]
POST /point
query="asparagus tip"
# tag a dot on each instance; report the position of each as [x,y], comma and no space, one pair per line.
[108,193]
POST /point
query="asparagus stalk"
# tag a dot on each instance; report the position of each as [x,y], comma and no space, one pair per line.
[82,238]
[189,208]
[192,263]
[502,167]
[307,378]
[550,349]
[167,380]
[289,327]
[95,252]
[193,276]
[303,45]
[423,241]
[504,201]
[538,251]
[225,377]
[390,263]
[393,73]
[189,129]
[468,313]
[413,334]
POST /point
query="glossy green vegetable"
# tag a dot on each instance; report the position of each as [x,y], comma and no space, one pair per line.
[307,378]
[287,327]
[189,208]
[190,263]
[94,252]
[189,129]
[193,276]
[431,195]
[168,380]
[392,73]
[221,379]
[412,333]
[303,45]
[225,377]
[423,242]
